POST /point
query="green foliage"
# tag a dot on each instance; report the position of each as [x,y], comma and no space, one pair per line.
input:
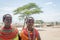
[39,21]
[27,10]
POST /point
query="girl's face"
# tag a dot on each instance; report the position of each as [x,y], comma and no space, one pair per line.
[30,23]
[7,20]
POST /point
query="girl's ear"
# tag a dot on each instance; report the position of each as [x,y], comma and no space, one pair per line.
[3,20]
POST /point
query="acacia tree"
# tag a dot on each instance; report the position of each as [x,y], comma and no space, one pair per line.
[27,10]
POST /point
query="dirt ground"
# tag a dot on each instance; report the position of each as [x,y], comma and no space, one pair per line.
[50,34]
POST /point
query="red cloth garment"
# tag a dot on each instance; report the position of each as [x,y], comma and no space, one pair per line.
[8,35]
[25,32]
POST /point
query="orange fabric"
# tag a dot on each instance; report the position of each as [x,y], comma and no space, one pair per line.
[24,34]
[8,36]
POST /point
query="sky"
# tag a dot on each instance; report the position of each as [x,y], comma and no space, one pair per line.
[50,8]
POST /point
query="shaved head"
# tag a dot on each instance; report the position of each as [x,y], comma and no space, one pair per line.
[6,16]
